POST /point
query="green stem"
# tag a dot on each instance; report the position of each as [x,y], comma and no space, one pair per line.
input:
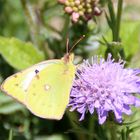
[35,24]
[28,10]
[118,20]
[112,18]
[91,127]
[66,27]
[123,135]
[73,118]
[10,135]
[114,22]
[113,131]
[65,30]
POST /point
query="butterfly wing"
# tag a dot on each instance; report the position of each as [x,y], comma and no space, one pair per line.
[17,84]
[48,93]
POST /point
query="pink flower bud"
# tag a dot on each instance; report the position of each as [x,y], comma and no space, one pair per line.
[68,9]
[97,11]
[85,9]
[77,2]
[62,1]
[75,16]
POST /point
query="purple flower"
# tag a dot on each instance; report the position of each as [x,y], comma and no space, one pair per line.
[105,86]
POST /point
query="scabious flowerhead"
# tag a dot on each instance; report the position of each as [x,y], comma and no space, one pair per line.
[81,8]
[105,86]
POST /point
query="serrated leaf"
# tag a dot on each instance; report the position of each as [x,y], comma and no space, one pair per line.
[19,54]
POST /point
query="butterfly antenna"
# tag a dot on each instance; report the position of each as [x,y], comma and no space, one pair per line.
[81,38]
[67,45]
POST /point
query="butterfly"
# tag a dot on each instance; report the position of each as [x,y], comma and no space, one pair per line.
[45,87]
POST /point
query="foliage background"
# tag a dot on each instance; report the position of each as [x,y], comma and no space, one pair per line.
[44,25]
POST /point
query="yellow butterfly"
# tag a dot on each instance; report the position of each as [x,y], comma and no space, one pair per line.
[45,87]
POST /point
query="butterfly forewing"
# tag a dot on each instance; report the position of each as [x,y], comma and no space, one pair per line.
[17,84]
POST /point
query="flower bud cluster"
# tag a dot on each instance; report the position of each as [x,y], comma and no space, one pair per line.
[81,8]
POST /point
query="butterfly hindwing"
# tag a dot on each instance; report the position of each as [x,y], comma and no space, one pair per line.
[48,93]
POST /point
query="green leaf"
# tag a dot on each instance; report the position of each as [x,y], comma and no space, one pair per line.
[135,61]
[134,127]
[19,54]
[130,37]
[8,105]
[130,32]
[53,137]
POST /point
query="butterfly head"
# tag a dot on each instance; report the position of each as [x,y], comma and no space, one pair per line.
[68,57]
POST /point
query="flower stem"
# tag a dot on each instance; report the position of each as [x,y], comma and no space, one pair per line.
[35,24]
[123,135]
[10,134]
[73,118]
[112,18]
[28,10]
[113,131]
[91,127]
[118,20]
[114,22]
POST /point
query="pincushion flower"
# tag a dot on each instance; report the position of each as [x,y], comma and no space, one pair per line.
[81,8]
[105,86]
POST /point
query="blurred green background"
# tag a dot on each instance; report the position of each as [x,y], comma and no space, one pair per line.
[45,26]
